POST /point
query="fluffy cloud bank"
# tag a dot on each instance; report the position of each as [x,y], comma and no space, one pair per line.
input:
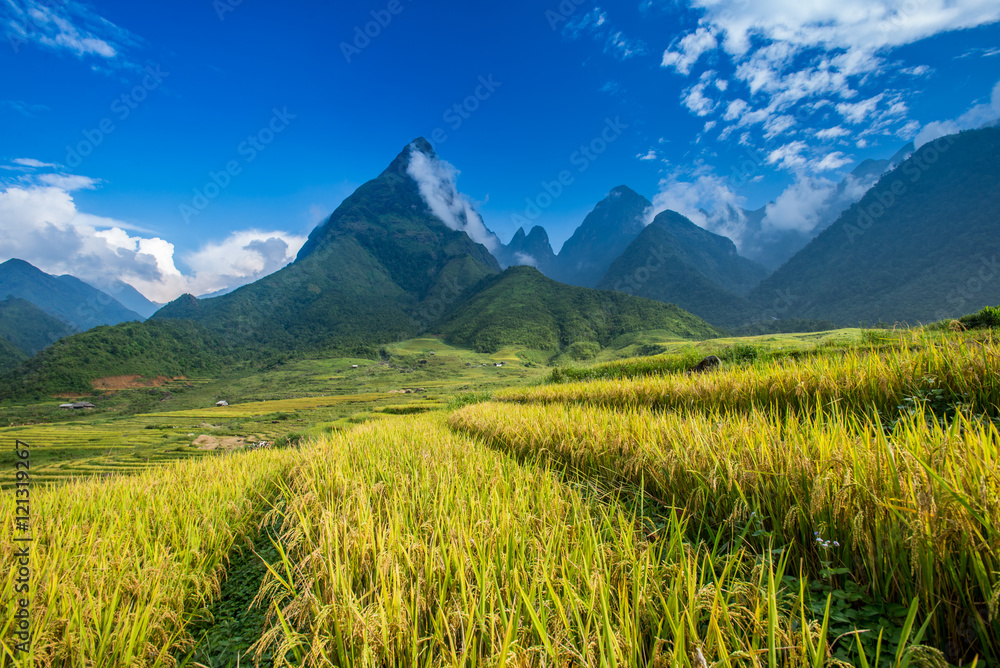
[42,225]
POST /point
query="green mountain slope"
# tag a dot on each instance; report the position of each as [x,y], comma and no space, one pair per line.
[147,349]
[381,268]
[675,261]
[64,297]
[10,355]
[922,245]
[605,233]
[524,308]
[28,327]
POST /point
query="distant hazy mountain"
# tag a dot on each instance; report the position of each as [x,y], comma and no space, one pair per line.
[28,327]
[922,245]
[532,250]
[522,307]
[772,247]
[605,233]
[131,298]
[675,261]
[382,267]
[64,297]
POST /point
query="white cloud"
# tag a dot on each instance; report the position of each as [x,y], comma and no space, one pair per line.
[589,22]
[777,125]
[735,110]
[811,203]
[858,112]
[32,163]
[976,117]
[24,108]
[789,156]
[524,259]
[43,226]
[857,26]
[623,47]
[69,182]
[595,23]
[436,180]
[689,50]
[908,131]
[648,156]
[694,196]
[69,27]
[696,100]
[831,162]
[611,88]
[832,133]
[918,71]
[801,206]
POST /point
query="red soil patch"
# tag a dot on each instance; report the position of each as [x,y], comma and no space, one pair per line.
[128,382]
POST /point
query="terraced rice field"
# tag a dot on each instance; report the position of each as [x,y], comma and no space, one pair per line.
[128,445]
[63,451]
[824,512]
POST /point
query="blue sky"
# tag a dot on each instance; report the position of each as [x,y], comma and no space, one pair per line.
[118,116]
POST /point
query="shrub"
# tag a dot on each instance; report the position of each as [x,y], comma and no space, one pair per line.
[584,350]
[988,318]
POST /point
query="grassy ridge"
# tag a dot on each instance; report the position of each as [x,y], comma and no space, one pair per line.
[957,372]
[28,327]
[118,564]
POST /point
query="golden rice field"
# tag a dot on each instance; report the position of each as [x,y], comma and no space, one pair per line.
[408,545]
[258,408]
[69,450]
[119,565]
[961,369]
[789,514]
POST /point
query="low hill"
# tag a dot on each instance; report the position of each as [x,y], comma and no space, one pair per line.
[149,349]
[64,297]
[28,327]
[383,267]
[675,261]
[524,308]
[921,246]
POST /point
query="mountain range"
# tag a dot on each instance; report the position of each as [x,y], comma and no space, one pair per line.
[406,254]
[382,267]
[920,246]
[67,298]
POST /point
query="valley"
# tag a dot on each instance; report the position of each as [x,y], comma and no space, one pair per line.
[407,443]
